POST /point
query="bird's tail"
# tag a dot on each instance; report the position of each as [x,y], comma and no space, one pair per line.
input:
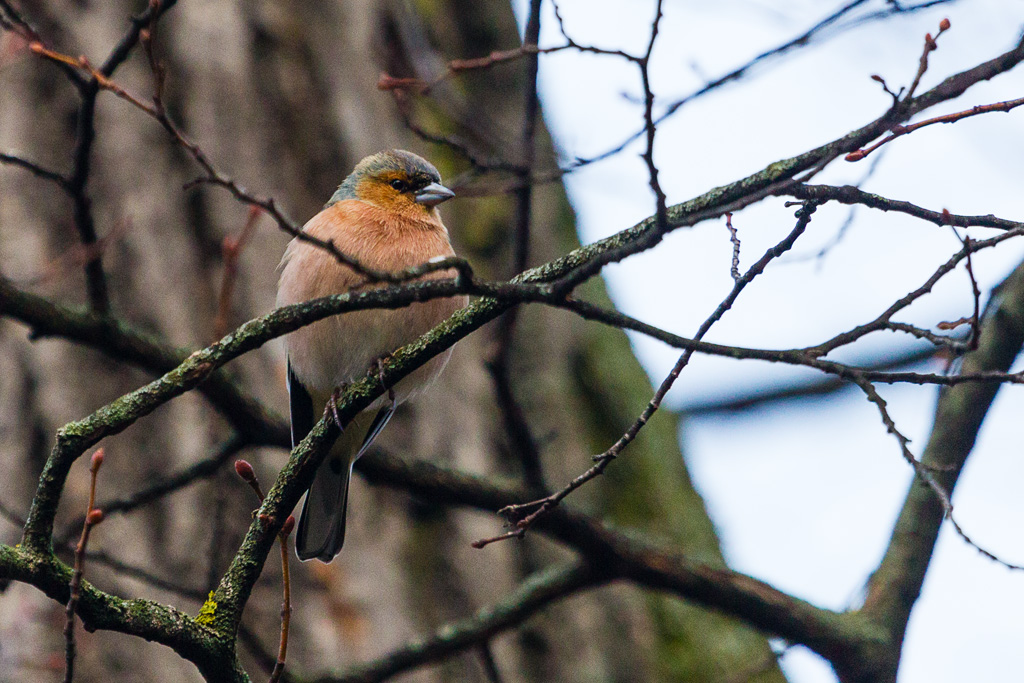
[321,530]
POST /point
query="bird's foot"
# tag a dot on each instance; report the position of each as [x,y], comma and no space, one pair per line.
[332,405]
[380,375]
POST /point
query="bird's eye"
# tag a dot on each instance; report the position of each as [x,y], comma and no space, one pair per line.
[399,185]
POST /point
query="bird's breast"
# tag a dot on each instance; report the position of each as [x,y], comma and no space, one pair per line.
[343,348]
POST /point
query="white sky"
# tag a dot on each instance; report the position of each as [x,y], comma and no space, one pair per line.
[804,495]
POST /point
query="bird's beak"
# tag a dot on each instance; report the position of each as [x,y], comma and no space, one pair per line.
[433,194]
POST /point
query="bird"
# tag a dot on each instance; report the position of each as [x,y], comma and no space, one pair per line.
[384,215]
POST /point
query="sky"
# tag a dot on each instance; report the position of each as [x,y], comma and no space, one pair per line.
[804,494]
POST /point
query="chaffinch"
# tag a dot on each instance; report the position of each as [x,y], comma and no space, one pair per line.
[384,215]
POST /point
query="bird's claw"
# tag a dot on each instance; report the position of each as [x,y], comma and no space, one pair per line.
[333,404]
[380,376]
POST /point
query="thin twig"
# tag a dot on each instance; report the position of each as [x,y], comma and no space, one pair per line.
[930,45]
[212,176]
[145,576]
[975,337]
[231,249]
[924,473]
[490,665]
[35,169]
[854,196]
[518,514]
[734,267]
[85,135]
[93,517]
[165,486]
[901,129]
[78,255]
[286,605]
[803,40]
[248,475]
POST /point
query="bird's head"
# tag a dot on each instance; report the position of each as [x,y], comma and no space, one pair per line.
[395,180]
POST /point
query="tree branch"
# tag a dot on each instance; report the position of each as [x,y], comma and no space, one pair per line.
[536,593]
[896,584]
[850,195]
[656,566]
[121,342]
[214,656]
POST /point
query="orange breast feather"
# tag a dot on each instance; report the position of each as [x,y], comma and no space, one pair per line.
[343,348]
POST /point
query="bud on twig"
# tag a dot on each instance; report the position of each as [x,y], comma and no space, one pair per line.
[96,461]
[244,470]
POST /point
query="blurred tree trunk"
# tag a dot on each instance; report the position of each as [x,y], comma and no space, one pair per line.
[282,96]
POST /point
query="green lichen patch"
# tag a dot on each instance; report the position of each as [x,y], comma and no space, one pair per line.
[208,612]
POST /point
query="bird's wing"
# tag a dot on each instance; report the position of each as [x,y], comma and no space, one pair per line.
[379,421]
[301,406]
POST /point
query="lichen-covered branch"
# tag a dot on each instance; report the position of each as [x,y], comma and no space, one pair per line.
[212,654]
[120,341]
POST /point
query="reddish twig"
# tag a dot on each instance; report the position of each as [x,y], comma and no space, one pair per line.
[12,20]
[530,50]
[900,130]
[78,255]
[245,471]
[92,518]
[286,605]
[231,248]
[156,110]
[85,135]
[456,66]
[929,46]
[104,82]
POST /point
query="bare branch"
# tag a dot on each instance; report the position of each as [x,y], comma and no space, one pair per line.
[35,169]
[896,584]
[848,194]
[522,516]
[536,593]
[93,517]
